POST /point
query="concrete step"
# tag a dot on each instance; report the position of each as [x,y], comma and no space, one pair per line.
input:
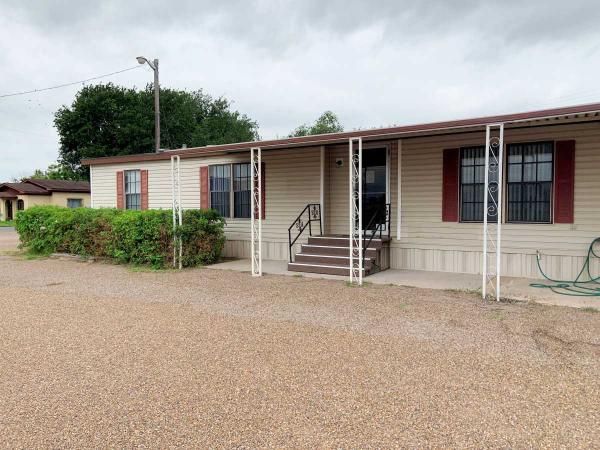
[330,260]
[321,268]
[334,250]
[340,241]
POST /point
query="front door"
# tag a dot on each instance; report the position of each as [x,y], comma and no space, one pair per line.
[374,184]
[9,210]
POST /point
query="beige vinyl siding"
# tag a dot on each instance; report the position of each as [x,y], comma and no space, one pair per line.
[292,181]
[337,187]
[427,243]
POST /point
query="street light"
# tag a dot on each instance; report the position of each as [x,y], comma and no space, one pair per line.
[154,66]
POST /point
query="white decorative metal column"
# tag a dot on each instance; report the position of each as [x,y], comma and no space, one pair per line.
[355,210]
[256,211]
[492,210]
[177,213]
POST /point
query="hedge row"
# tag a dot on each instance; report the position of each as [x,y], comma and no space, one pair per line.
[138,237]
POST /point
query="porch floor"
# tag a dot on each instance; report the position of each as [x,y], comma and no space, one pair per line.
[513,288]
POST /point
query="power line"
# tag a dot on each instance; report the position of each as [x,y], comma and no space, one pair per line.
[33,91]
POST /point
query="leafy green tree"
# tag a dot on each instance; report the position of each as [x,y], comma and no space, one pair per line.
[110,120]
[328,122]
[56,171]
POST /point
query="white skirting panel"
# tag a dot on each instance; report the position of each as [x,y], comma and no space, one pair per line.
[277,251]
[513,264]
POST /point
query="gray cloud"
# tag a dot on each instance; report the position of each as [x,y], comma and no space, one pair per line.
[283,63]
[289,23]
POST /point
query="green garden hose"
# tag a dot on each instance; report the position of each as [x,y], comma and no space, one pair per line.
[584,285]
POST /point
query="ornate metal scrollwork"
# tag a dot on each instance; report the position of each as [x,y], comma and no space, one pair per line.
[314,212]
[356,232]
[492,220]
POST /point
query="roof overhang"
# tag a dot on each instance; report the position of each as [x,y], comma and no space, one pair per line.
[578,113]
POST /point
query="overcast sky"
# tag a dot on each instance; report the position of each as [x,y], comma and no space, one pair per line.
[285,62]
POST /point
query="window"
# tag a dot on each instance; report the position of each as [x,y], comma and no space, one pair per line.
[241,190]
[220,189]
[230,184]
[529,181]
[133,190]
[74,203]
[20,205]
[472,183]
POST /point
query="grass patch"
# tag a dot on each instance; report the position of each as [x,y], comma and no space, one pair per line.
[140,269]
[7,223]
[24,254]
[298,275]
[510,301]
[365,284]
[465,291]
[590,309]
[33,256]
[498,315]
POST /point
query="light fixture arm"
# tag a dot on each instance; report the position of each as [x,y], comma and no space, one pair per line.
[154,66]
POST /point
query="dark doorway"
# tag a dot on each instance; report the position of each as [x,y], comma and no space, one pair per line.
[374,179]
[9,209]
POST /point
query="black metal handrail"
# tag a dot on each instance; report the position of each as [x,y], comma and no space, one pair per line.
[314,214]
[384,211]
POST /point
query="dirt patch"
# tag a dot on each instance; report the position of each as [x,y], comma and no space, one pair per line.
[99,355]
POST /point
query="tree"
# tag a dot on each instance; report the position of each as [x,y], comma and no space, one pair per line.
[109,120]
[55,171]
[327,123]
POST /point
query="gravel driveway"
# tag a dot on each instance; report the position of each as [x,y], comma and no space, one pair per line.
[96,355]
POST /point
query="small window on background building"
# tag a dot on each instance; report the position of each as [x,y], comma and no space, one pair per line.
[74,203]
[241,190]
[20,205]
[530,170]
[220,189]
[133,190]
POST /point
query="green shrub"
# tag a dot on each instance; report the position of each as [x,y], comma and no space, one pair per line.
[138,237]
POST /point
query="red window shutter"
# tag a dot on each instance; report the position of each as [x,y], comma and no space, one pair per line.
[564,186]
[144,194]
[120,190]
[204,187]
[262,194]
[450,185]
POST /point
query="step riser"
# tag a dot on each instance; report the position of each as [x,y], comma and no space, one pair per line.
[328,260]
[340,242]
[322,270]
[338,251]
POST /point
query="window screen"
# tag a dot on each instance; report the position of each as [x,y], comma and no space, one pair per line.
[472,187]
[220,188]
[530,170]
[241,190]
[133,190]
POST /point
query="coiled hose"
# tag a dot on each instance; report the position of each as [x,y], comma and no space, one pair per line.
[584,285]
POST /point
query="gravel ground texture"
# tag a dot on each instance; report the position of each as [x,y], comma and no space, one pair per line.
[98,355]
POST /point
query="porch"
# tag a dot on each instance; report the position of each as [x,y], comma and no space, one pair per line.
[8,206]
[513,288]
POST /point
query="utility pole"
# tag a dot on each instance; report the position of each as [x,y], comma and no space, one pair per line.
[154,66]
